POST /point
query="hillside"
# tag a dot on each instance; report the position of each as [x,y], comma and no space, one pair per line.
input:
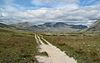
[95,27]
[3,25]
[22,25]
[50,27]
[6,26]
[57,27]
[45,27]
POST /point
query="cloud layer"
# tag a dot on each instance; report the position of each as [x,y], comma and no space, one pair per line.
[71,11]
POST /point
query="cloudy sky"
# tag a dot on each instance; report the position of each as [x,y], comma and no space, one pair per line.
[39,11]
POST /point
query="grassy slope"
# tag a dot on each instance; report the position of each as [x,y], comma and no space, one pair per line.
[17,47]
[85,48]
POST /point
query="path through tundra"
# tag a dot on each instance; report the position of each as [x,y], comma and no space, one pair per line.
[55,55]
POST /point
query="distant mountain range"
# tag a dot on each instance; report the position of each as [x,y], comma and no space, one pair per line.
[50,27]
[53,27]
[46,27]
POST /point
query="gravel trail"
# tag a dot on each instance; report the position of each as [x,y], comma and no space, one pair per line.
[55,55]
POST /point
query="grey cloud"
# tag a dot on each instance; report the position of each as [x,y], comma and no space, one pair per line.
[69,13]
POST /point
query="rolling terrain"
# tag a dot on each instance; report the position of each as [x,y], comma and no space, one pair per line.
[85,48]
[5,26]
[46,27]
[49,31]
[57,27]
[23,47]
[50,27]
[17,47]
[95,27]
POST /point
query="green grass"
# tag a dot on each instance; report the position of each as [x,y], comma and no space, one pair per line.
[85,48]
[17,47]
[21,47]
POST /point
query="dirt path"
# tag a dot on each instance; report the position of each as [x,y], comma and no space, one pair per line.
[55,55]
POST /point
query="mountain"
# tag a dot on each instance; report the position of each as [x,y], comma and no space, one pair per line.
[5,26]
[95,27]
[57,27]
[49,27]
[54,24]
[2,25]
[22,25]
[79,26]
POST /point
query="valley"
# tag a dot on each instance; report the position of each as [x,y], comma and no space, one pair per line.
[25,46]
[49,31]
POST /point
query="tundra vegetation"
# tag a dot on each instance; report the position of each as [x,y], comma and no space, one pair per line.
[21,47]
[85,48]
[17,47]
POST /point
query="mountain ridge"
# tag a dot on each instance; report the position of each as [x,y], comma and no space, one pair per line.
[49,27]
[95,27]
